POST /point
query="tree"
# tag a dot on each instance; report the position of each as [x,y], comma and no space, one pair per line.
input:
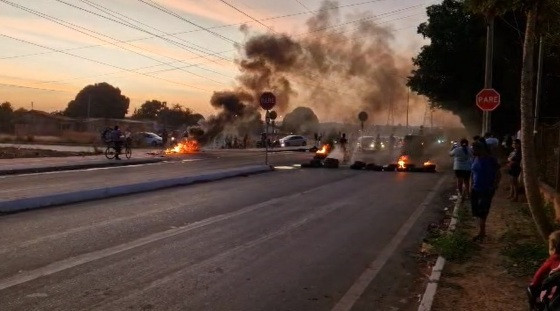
[301,120]
[100,100]
[535,12]
[450,70]
[178,116]
[6,117]
[149,110]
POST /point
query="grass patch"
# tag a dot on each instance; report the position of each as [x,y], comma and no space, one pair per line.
[455,246]
[524,250]
[524,258]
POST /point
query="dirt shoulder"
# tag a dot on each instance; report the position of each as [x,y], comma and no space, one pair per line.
[16,153]
[494,274]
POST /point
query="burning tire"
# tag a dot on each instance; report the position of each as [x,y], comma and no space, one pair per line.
[358,165]
[331,163]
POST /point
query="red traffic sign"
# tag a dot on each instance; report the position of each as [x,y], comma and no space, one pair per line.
[267,100]
[488,99]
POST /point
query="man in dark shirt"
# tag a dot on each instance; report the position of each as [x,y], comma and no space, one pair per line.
[116,138]
[486,176]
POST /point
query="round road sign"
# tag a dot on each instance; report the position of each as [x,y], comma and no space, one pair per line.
[267,100]
[488,99]
[363,116]
[273,115]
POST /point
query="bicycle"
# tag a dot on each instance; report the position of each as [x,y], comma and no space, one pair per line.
[111,152]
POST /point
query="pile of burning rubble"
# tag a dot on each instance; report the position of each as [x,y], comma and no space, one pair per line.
[321,159]
[403,164]
[187,146]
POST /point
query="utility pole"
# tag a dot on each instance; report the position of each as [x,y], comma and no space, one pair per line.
[407,107]
[486,115]
[539,86]
[88,106]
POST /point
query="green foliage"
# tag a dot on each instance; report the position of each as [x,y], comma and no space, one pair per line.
[455,246]
[174,117]
[450,70]
[524,252]
[103,99]
[301,121]
[6,117]
[149,110]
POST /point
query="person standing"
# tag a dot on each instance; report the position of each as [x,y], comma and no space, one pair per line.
[164,138]
[514,170]
[486,176]
[462,162]
[492,142]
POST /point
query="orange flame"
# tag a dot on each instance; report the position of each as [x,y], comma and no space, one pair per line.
[428,163]
[186,146]
[324,150]
[402,161]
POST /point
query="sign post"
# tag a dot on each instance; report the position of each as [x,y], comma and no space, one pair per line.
[267,102]
[363,116]
[488,99]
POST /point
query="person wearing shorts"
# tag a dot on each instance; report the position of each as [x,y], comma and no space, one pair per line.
[486,176]
[462,161]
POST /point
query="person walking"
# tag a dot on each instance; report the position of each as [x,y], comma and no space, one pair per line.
[486,177]
[514,170]
[462,162]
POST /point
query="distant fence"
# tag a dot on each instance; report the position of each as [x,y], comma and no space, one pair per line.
[547,145]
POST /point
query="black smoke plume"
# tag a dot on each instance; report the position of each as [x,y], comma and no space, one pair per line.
[340,66]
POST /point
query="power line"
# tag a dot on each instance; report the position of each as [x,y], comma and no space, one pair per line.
[100,62]
[303,5]
[178,44]
[249,16]
[213,27]
[169,12]
[85,31]
[31,87]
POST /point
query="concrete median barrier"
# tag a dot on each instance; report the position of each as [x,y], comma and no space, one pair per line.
[20,204]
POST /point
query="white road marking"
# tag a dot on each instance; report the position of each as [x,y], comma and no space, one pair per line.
[354,293]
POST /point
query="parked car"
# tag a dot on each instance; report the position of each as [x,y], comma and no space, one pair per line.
[366,143]
[292,141]
[149,139]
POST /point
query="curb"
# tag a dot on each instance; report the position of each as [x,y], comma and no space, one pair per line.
[44,169]
[105,192]
[433,281]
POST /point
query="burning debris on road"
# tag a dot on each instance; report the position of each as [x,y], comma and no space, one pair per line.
[187,146]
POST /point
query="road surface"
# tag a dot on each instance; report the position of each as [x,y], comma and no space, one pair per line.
[293,239]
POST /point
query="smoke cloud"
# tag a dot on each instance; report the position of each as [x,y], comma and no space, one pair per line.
[340,66]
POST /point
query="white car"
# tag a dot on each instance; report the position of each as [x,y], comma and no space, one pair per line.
[292,141]
[150,139]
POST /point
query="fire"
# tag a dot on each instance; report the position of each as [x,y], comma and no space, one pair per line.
[402,161]
[324,150]
[428,163]
[186,146]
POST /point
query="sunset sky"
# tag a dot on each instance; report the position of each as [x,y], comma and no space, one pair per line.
[154,49]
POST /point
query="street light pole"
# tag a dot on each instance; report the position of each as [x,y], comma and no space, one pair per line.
[486,115]
[407,107]
[539,87]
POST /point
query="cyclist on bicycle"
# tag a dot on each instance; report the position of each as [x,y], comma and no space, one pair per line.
[117,140]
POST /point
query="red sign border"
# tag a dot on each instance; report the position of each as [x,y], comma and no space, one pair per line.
[490,89]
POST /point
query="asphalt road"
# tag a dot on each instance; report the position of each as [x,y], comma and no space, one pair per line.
[293,239]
